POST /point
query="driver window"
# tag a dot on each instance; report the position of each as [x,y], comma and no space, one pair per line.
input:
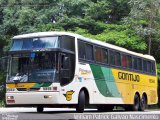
[65,71]
[65,62]
[67,68]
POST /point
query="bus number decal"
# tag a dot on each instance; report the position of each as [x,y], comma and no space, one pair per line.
[152,81]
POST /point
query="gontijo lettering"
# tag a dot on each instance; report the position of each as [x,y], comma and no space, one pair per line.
[128,76]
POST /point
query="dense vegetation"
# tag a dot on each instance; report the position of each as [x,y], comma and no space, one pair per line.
[133,24]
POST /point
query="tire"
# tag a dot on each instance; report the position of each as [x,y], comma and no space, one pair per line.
[135,106]
[40,109]
[143,103]
[105,108]
[81,102]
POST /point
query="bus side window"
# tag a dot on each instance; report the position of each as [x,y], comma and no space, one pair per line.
[144,66]
[112,57]
[135,63]
[105,56]
[68,43]
[129,61]
[149,66]
[98,54]
[139,62]
[153,68]
[89,52]
[117,59]
[124,61]
[81,50]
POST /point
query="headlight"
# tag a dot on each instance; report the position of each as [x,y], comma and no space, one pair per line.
[10,97]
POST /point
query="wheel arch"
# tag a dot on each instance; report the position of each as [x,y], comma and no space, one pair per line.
[138,94]
[145,95]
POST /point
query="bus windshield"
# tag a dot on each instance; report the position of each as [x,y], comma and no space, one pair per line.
[65,42]
[35,43]
[33,67]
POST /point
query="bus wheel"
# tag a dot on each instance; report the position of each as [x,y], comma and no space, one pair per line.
[136,104]
[39,109]
[105,108]
[81,102]
[143,103]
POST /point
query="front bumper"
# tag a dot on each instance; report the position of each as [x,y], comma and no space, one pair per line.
[27,98]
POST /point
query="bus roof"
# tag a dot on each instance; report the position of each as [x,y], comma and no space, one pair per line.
[42,34]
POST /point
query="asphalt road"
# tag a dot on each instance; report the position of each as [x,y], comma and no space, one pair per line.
[70,114]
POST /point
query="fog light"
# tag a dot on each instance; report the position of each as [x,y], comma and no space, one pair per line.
[47,96]
[10,97]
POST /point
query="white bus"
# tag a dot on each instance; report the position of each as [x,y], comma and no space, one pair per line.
[61,69]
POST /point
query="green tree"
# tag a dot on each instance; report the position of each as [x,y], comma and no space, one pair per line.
[120,35]
[144,18]
[98,10]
